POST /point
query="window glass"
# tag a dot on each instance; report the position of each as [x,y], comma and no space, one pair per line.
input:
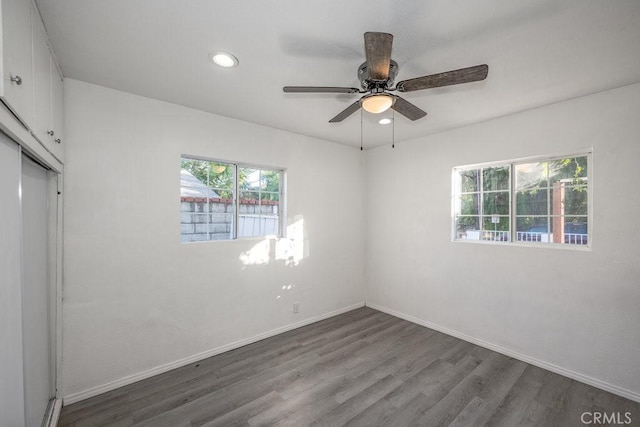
[495,178]
[210,210]
[470,180]
[548,201]
[483,203]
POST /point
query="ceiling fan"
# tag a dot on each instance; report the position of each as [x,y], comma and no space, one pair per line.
[377,77]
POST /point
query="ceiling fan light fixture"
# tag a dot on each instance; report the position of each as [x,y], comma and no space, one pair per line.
[223,59]
[377,103]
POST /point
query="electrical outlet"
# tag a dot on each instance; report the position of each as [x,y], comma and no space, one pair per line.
[296,307]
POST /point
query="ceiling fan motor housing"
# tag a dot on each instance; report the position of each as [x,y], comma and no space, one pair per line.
[370,84]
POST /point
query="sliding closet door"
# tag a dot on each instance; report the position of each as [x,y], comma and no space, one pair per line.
[11,379]
[37,292]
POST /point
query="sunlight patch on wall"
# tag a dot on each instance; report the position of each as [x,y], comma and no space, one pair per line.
[259,254]
[286,288]
[289,250]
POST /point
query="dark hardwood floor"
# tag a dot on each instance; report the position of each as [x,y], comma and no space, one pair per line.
[362,368]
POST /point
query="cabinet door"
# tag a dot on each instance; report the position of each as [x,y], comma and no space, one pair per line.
[16,88]
[57,111]
[41,124]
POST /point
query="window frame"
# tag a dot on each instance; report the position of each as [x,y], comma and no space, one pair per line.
[513,213]
[282,211]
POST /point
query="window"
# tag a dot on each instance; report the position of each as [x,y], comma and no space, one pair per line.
[539,201]
[223,200]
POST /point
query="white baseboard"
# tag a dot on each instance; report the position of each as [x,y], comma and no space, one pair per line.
[632,395]
[94,391]
[54,413]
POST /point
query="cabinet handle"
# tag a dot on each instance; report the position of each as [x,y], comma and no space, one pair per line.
[58,140]
[50,132]
[17,80]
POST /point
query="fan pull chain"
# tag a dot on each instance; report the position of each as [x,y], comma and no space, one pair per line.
[361,130]
[393,128]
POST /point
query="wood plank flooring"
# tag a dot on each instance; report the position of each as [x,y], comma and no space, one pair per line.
[362,368]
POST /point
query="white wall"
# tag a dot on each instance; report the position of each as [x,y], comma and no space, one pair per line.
[576,312]
[136,300]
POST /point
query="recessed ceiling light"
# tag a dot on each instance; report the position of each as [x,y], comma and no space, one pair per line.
[223,59]
[385,121]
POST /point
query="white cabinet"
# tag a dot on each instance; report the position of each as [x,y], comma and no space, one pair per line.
[31,84]
[47,122]
[16,86]
[41,120]
[57,110]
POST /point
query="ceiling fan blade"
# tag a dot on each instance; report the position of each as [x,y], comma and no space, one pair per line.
[448,78]
[377,47]
[319,89]
[407,109]
[346,112]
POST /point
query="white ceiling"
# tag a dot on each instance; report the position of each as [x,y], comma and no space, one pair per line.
[538,52]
